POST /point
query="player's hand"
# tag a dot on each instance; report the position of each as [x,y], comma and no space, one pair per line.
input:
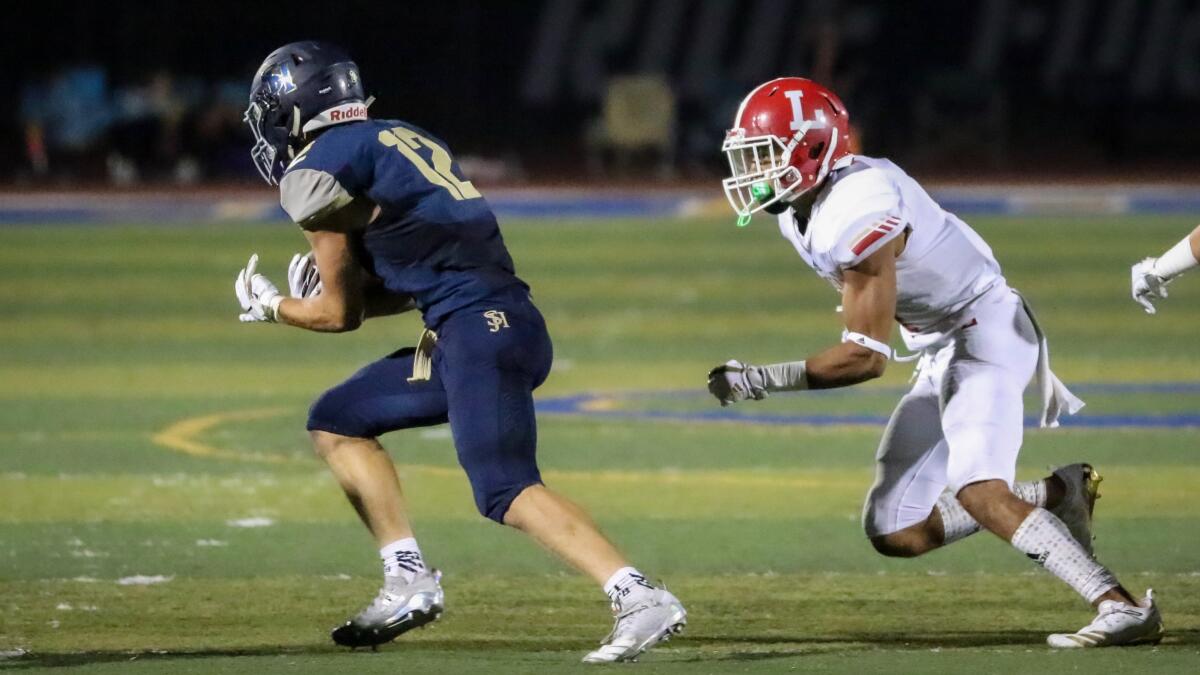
[1146,284]
[304,281]
[257,295]
[735,381]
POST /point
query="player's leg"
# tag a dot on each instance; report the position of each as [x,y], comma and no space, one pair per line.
[907,511]
[344,423]
[1069,492]
[982,420]
[899,515]
[489,373]
[368,477]
[565,529]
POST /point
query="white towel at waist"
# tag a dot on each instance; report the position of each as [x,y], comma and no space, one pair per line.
[1056,399]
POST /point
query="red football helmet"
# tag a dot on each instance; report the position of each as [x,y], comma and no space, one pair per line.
[787,135]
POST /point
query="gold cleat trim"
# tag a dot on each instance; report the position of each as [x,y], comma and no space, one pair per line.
[1091,484]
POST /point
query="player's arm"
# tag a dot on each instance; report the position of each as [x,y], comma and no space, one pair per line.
[1150,277]
[335,297]
[339,306]
[869,307]
[379,301]
[349,295]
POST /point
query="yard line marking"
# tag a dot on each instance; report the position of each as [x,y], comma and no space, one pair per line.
[181,436]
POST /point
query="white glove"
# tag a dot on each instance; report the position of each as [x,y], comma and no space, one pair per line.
[258,297]
[1146,284]
[735,381]
[304,281]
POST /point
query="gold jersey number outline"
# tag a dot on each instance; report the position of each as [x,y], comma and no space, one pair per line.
[439,172]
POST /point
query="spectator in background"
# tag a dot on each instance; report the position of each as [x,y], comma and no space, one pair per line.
[147,133]
[66,121]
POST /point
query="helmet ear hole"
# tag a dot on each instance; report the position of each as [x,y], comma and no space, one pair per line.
[817,150]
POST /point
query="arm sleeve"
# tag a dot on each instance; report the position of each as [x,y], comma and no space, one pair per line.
[310,194]
[324,177]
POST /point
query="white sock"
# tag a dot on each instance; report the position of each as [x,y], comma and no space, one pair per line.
[402,558]
[1031,492]
[1047,541]
[625,583]
[958,524]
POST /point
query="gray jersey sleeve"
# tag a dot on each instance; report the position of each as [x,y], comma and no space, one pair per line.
[309,194]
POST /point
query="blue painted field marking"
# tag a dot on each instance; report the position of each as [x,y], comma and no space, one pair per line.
[600,406]
[195,207]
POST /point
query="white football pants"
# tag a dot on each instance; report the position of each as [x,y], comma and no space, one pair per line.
[962,422]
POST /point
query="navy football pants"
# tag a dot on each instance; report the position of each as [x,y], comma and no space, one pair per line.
[485,368]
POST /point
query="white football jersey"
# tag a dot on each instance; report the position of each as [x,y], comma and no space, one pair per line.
[945,265]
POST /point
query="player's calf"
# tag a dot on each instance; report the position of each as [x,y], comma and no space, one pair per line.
[946,523]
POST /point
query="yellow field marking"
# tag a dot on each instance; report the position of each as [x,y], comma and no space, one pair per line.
[182,436]
[599,405]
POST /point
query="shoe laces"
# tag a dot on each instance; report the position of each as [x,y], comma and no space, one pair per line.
[621,616]
[386,596]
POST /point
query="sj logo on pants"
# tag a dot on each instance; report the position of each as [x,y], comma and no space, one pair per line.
[496,320]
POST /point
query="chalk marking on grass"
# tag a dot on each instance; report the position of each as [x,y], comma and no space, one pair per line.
[182,435]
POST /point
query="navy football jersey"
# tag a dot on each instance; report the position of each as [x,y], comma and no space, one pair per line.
[435,237]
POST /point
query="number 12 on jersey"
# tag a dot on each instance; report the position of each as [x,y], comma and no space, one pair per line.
[439,171]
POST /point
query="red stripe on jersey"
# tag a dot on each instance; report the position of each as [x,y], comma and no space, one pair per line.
[865,243]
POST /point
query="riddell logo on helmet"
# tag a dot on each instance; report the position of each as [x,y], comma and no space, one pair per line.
[350,112]
[347,112]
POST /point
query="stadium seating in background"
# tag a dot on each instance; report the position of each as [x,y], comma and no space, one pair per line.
[637,122]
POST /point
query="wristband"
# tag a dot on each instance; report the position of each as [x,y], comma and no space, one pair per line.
[272,307]
[790,376]
[1175,261]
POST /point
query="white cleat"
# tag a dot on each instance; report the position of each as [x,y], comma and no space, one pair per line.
[400,607]
[644,623]
[1075,510]
[1116,624]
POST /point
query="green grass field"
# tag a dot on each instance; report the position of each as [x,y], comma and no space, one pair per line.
[140,423]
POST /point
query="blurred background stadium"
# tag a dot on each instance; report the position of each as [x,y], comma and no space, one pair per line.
[157,498]
[547,91]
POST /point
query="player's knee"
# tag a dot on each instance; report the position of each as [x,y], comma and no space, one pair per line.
[496,481]
[326,443]
[334,413]
[493,501]
[897,545]
[978,492]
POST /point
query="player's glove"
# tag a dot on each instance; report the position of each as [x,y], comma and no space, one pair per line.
[304,281]
[258,296]
[1146,284]
[735,381]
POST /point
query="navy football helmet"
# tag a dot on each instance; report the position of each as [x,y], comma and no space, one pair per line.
[299,88]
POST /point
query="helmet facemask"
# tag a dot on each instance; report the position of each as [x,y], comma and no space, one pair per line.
[272,139]
[762,171]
